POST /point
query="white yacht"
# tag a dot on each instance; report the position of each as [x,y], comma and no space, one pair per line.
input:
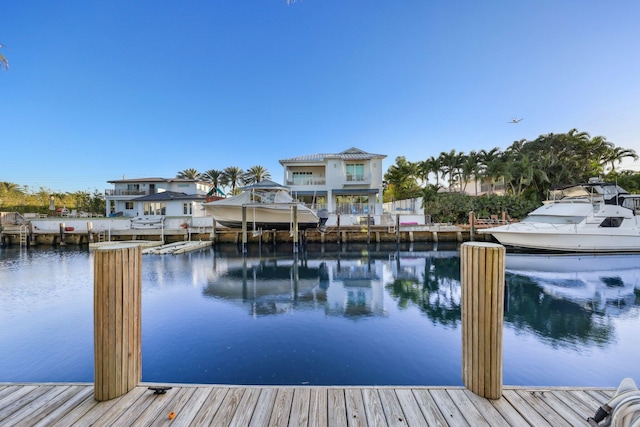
[590,217]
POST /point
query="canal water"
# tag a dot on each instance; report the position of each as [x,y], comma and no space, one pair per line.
[350,315]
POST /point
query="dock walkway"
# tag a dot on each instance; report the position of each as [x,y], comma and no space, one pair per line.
[69,404]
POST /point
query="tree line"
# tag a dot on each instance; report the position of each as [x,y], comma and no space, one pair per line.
[17,198]
[525,169]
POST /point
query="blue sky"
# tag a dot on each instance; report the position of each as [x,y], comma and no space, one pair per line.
[98,90]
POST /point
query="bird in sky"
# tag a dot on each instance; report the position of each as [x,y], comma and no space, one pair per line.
[516,120]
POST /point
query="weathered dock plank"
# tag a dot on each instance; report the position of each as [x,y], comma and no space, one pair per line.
[198,405]
[318,408]
[373,407]
[354,403]
[429,408]
[262,411]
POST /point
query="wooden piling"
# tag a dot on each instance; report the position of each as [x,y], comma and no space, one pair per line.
[295,229]
[89,232]
[244,229]
[482,279]
[62,243]
[117,320]
[472,225]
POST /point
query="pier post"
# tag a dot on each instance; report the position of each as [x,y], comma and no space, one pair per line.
[117,320]
[89,232]
[295,229]
[244,229]
[482,278]
[62,243]
[472,225]
[338,228]
[32,239]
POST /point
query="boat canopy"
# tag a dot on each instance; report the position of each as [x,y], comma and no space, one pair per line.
[253,197]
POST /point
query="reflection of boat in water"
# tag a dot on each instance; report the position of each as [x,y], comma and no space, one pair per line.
[590,217]
[598,280]
[268,206]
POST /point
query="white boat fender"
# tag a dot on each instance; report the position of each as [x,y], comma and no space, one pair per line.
[622,410]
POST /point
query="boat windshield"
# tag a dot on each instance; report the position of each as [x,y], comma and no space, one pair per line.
[573,192]
[552,219]
[596,191]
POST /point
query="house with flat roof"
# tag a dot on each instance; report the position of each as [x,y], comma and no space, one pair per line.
[345,183]
[156,197]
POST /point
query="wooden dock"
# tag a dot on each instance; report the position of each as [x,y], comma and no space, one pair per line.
[69,404]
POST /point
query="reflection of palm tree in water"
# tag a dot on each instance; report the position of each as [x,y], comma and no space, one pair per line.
[439,296]
[562,322]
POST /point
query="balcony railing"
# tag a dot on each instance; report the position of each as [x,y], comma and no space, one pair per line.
[117,192]
[307,181]
[357,179]
[355,209]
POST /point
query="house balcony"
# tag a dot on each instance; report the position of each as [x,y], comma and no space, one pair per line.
[118,192]
[350,179]
[306,181]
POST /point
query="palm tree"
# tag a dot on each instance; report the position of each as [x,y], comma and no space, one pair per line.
[401,178]
[3,61]
[423,169]
[616,155]
[450,166]
[189,174]
[212,176]
[470,168]
[492,166]
[434,165]
[10,187]
[256,174]
[232,176]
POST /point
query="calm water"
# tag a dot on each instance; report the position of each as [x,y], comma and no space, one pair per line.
[339,316]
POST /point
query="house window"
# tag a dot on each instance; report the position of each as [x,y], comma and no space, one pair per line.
[302,178]
[155,208]
[355,172]
[128,205]
[186,208]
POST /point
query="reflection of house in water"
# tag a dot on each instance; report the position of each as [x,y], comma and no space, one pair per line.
[273,286]
[355,288]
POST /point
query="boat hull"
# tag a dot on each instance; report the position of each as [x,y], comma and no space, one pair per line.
[266,218]
[568,240]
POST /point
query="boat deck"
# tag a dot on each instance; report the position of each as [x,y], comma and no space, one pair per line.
[197,405]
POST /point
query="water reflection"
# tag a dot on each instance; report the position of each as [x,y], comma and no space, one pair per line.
[564,299]
[332,315]
[267,285]
[603,284]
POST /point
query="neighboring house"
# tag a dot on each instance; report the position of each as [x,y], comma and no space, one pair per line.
[349,182]
[156,197]
[474,187]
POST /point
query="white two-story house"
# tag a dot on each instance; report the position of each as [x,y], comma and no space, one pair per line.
[156,197]
[346,183]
